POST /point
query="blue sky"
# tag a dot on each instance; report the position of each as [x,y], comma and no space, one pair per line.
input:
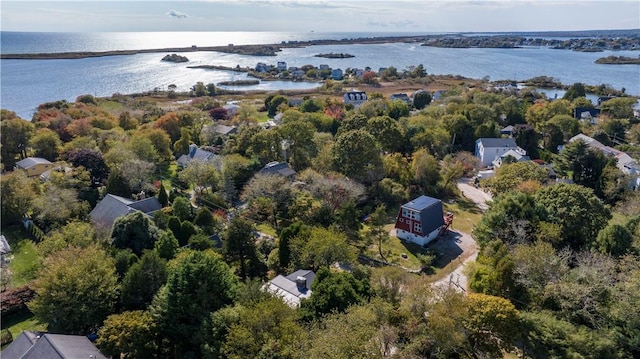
[318,15]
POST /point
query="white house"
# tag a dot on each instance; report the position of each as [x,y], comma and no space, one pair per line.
[292,288]
[355,98]
[488,149]
[515,155]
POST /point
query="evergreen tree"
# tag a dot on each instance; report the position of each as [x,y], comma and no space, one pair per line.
[163,198]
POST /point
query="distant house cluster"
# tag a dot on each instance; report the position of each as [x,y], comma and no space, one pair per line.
[625,163]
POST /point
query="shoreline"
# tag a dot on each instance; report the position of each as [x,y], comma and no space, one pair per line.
[253,50]
[441,40]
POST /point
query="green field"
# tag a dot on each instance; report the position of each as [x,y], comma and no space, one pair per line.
[23,264]
[23,261]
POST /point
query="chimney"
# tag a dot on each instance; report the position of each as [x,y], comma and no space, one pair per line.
[192,150]
[301,283]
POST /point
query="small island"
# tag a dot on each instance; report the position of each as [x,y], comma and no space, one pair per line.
[618,60]
[333,55]
[175,58]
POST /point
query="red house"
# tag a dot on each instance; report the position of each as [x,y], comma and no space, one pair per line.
[420,220]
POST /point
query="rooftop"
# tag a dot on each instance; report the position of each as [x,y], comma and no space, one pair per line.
[32,161]
[421,203]
[497,142]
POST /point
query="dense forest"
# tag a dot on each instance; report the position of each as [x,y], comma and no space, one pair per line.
[557,275]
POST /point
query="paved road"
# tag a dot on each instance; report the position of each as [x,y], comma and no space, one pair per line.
[458,279]
[475,194]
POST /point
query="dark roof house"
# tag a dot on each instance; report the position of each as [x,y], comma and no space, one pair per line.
[420,220]
[278,168]
[401,96]
[31,345]
[292,288]
[196,154]
[111,207]
[225,130]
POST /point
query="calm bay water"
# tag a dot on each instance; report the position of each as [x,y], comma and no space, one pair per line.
[24,84]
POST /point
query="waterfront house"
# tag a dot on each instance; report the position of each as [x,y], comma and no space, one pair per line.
[34,166]
[625,163]
[336,74]
[507,131]
[225,130]
[262,67]
[420,220]
[281,66]
[515,156]
[232,109]
[586,114]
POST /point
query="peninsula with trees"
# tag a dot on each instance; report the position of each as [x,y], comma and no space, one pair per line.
[596,40]
[206,223]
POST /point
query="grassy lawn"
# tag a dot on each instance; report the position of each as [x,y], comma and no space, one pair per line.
[267,229]
[22,321]
[618,218]
[394,249]
[24,258]
[465,214]
[23,265]
[111,105]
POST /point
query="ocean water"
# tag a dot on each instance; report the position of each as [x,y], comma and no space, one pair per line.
[24,84]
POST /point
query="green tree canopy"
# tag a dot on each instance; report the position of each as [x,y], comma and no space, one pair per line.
[142,281]
[199,282]
[129,335]
[135,231]
[577,210]
[334,291]
[75,291]
[364,166]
